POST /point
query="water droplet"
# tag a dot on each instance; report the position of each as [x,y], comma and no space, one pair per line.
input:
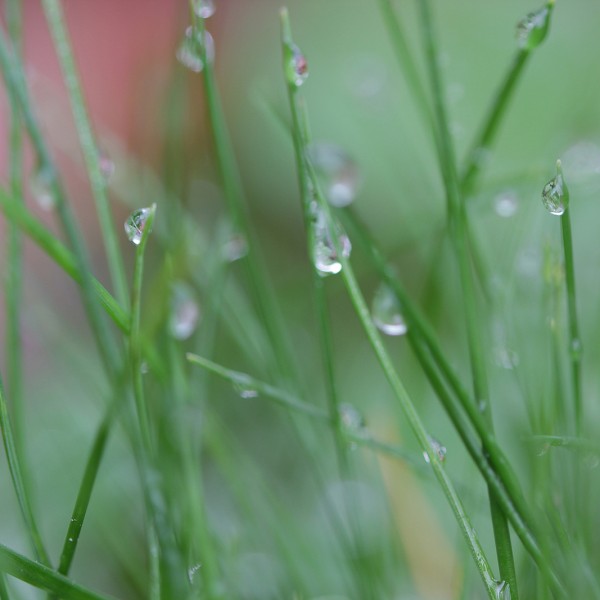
[204,8]
[502,590]
[325,255]
[40,186]
[506,358]
[543,449]
[438,449]
[235,248]
[144,368]
[296,67]
[192,572]
[576,347]
[107,166]
[533,28]
[243,386]
[351,419]
[555,194]
[337,171]
[506,204]
[189,53]
[71,540]
[386,311]
[185,311]
[591,460]
[134,226]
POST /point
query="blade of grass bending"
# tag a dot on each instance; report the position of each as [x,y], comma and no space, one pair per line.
[459,234]
[14,466]
[14,252]
[13,75]
[234,195]
[56,21]
[42,577]
[64,258]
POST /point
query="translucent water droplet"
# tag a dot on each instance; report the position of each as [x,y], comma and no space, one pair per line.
[338,172]
[40,186]
[189,53]
[543,449]
[244,388]
[144,368]
[351,419]
[134,226]
[438,449]
[325,255]
[204,8]
[107,166]
[506,204]
[235,248]
[533,28]
[506,358]
[185,311]
[386,312]
[502,590]
[296,67]
[555,194]
[192,572]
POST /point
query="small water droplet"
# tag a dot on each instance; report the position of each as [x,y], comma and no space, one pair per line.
[505,358]
[189,53]
[506,204]
[439,450]
[204,8]
[40,186]
[192,572]
[107,166]
[244,388]
[337,171]
[386,312]
[576,347]
[502,590]
[71,540]
[134,226]
[555,194]
[325,255]
[144,368]
[185,311]
[351,419]
[543,449]
[296,67]
[235,248]
[533,28]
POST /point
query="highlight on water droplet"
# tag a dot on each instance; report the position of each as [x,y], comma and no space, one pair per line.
[533,28]
[296,67]
[40,185]
[204,8]
[438,449]
[386,312]
[192,572]
[325,254]
[555,194]
[134,226]
[338,173]
[189,53]
[244,388]
[506,204]
[184,311]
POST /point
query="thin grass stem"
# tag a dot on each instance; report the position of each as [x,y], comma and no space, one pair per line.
[89,147]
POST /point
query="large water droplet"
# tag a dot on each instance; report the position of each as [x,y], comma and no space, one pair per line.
[204,8]
[40,186]
[325,254]
[438,449]
[506,204]
[533,28]
[296,67]
[185,311]
[502,590]
[189,53]
[386,312]
[337,171]
[134,226]
[555,195]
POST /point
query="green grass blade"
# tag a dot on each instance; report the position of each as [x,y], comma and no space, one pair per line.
[56,22]
[14,466]
[42,577]
[64,258]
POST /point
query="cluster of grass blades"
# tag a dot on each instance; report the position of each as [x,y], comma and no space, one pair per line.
[164,374]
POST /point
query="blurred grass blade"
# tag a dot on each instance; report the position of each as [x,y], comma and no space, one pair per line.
[91,154]
[14,466]
[54,249]
[42,577]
